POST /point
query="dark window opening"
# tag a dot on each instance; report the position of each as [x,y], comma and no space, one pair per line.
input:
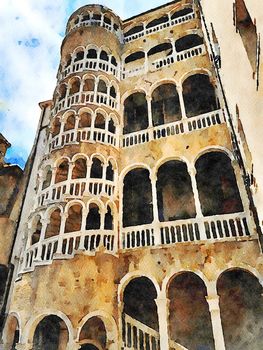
[62,172]
[96,17]
[79,56]
[113,61]
[241,309]
[37,227]
[137,198]
[116,27]
[74,87]
[217,186]
[53,226]
[134,57]
[93,218]
[108,220]
[174,192]
[86,17]
[110,172]
[135,113]
[139,301]
[102,87]
[62,92]
[94,330]
[189,316]
[199,95]
[104,56]
[112,127]
[165,105]
[157,21]
[133,30]
[160,48]
[70,123]
[92,53]
[113,92]
[187,42]
[107,20]
[47,177]
[100,121]
[85,120]
[96,169]
[89,85]
[181,13]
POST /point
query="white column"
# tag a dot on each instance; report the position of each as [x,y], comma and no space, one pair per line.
[213,303]
[181,100]
[157,234]
[162,310]
[192,172]
[44,223]
[146,63]
[64,217]
[70,170]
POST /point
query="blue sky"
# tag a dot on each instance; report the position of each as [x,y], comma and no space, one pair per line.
[31,34]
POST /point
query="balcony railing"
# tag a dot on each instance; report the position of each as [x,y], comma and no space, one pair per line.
[136,335]
[82,98]
[216,227]
[76,188]
[92,64]
[159,27]
[83,135]
[179,127]
[67,245]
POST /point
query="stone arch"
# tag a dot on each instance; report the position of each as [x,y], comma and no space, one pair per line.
[134,56]
[133,29]
[165,104]
[175,197]
[12,331]
[97,164]
[199,95]
[241,308]
[217,185]
[109,323]
[86,115]
[189,322]
[160,49]
[157,21]
[74,217]
[137,198]
[79,170]
[70,122]
[74,85]
[62,169]
[62,91]
[31,325]
[54,222]
[100,119]
[93,219]
[88,82]
[79,53]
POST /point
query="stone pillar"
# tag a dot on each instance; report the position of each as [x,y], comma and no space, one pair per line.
[64,217]
[181,100]
[70,170]
[149,105]
[213,302]
[192,172]
[146,63]
[162,310]
[157,234]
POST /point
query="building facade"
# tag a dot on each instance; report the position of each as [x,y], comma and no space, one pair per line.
[139,228]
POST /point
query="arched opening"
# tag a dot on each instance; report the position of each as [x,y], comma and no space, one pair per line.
[96,170]
[68,61]
[36,230]
[80,169]
[70,123]
[137,198]
[96,17]
[85,120]
[165,105]
[135,113]
[157,21]
[55,129]
[53,226]
[241,308]
[62,91]
[92,54]
[51,334]
[62,171]
[93,217]
[102,87]
[47,176]
[181,13]
[108,224]
[199,95]
[104,56]
[11,332]
[107,20]
[100,121]
[113,61]
[187,42]
[134,30]
[189,316]
[217,186]
[74,219]
[134,57]
[93,332]
[74,86]
[88,84]
[85,17]
[113,92]
[160,48]
[110,172]
[140,310]
[111,126]
[79,56]
[174,192]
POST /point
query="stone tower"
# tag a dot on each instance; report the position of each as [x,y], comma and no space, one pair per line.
[138,230]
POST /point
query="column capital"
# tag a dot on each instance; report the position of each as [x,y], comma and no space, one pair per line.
[23,346]
[192,169]
[213,302]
